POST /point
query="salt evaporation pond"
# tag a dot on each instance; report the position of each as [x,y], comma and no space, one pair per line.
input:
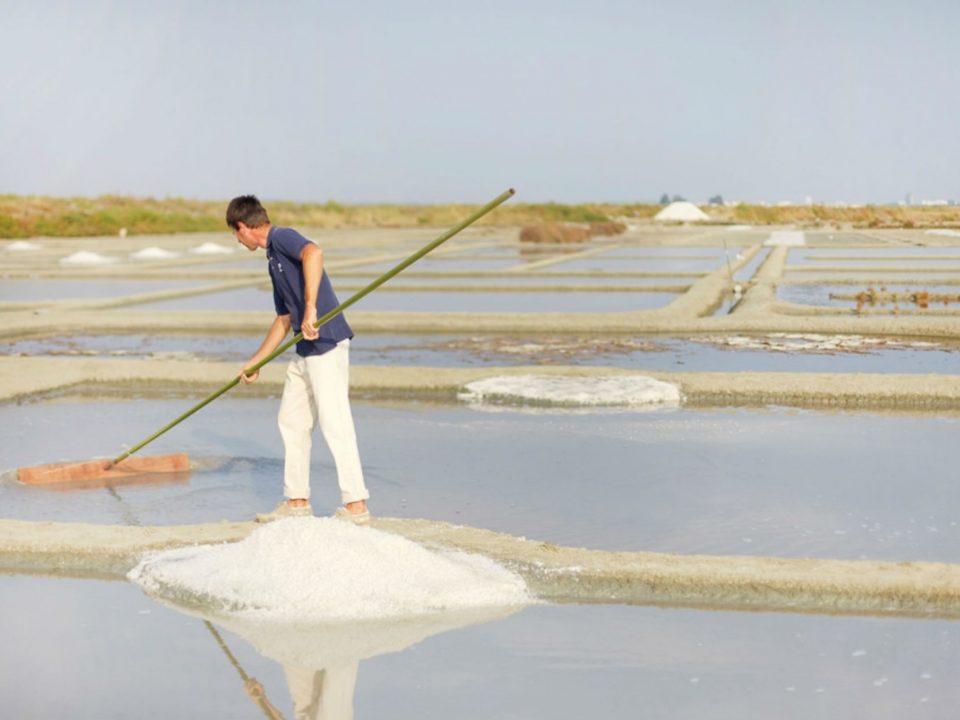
[777,352]
[780,482]
[425,301]
[345,280]
[817,294]
[22,290]
[598,263]
[562,662]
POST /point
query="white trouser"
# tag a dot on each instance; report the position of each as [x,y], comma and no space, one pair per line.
[316,393]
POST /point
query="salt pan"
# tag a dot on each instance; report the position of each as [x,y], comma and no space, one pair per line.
[618,391]
[84,257]
[316,570]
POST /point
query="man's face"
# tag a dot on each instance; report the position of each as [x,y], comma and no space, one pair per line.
[245,237]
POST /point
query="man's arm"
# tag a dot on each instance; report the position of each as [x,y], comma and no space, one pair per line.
[311,257]
[275,335]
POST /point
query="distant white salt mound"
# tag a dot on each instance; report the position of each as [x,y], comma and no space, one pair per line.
[633,391]
[211,248]
[23,246]
[944,231]
[681,211]
[86,258]
[320,570]
[791,238]
[153,253]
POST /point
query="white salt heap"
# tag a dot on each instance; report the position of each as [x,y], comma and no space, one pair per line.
[945,232]
[618,391]
[153,253]
[211,248]
[316,570]
[83,257]
[23,246]
[681,211]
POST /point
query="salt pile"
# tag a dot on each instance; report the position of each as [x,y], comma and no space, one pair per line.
[947,233]
[211,248]
[681,211]
[621,391]
[791,238]
[317,570]
[84,257]
[153,253]
[23,246]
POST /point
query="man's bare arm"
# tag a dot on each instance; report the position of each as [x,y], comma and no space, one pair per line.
[312,259]
[275,335]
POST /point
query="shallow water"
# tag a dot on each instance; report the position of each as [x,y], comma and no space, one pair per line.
[16,290]
[518,279]
[118,654]
[808,255]
[788,483]
[465,301]
[770,353]
[664,252]
[819,294]
[599,263]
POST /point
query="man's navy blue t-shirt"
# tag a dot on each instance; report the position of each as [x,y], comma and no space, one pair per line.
[284,246]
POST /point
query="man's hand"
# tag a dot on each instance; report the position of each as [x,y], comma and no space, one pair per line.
[307,326]
[247,379]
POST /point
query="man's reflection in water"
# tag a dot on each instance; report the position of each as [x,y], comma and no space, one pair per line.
[316,694]
[321,661]
[322,694]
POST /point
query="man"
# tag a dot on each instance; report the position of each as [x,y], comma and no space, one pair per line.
[316,388]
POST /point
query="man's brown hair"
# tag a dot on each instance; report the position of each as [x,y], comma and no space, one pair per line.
[246,209]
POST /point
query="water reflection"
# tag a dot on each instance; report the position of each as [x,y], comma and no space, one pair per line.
[321,661]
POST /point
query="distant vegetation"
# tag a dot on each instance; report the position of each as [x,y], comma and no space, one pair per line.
[30,216]
[553,233]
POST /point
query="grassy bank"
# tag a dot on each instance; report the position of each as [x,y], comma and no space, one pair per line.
[30,216]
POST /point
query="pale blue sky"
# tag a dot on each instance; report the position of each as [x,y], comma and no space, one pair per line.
[418,101]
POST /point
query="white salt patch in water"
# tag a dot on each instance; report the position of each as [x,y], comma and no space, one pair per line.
[314,570]
[786,237]
[153,253]
[948,233]
[211,248]
[84,257]
[619,391]
[23,246]
[814,343]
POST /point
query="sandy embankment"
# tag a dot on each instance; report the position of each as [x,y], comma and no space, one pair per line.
[553,573]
